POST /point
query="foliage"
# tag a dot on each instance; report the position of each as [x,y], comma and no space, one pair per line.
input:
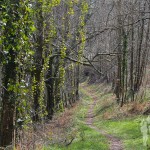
[30,59]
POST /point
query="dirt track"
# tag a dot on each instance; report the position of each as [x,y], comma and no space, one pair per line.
[115,143]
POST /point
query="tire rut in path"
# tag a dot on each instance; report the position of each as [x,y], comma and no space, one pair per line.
[115,143]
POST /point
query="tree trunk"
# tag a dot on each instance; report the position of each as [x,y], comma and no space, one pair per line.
[8,104]
[38,60]
[9,76]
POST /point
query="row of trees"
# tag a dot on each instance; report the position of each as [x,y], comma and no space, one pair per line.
[44,42]
[40,51]
[120,47]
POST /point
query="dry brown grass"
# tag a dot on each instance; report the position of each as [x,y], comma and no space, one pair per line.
[107,107]
[51,132]
[128,110]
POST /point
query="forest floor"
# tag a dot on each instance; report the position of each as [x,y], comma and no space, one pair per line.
[98,123]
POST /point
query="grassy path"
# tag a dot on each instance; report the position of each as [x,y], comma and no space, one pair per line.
[121,127]
[85,137]
[114,142]
[98,123]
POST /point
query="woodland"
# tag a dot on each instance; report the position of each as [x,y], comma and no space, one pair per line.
[74,74]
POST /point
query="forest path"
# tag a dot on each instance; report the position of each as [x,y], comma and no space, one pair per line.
[115,143]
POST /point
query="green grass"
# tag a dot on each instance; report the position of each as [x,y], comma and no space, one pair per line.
[90,140]
[86,138]
[128,130]
[85,101]
[125,128]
